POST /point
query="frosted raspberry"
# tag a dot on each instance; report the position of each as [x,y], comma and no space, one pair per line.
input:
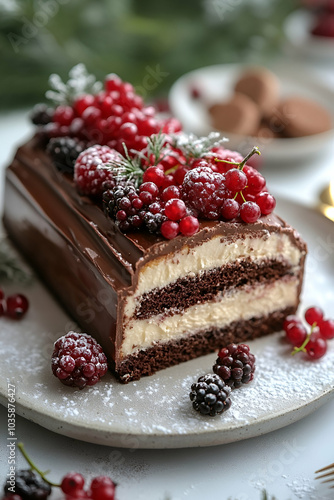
[90,175]
[204,191]
[78,360]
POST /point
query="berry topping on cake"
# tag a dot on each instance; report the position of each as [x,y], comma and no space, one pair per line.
[91,172]
[41,114]
[78,360]
[28,486]
[210,395]
[64,151]
[314,341]
[235,365]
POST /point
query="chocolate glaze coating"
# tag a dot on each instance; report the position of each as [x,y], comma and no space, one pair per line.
[80,253]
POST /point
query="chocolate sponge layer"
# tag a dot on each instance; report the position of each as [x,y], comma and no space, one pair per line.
[163,355]
[188,291]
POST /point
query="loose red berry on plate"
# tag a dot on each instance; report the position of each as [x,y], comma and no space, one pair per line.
[289,320]
[235,365]
[250,212]
[72,483]
[78,360]
[296,334]
[314,315]
[316,347]
[169,229]
[16,306]
[175,209]
[327,329]
[189,225]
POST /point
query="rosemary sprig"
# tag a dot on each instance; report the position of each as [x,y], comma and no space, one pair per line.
[10,269]
[197,147]
[125,166]
[80,82]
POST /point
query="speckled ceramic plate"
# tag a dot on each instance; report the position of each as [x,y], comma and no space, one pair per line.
[156,412]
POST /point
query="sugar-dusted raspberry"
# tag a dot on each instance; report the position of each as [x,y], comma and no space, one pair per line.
[91,171]
[203,190]
[235,365]
[78,360]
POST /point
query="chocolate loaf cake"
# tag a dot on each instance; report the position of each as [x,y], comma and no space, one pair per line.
[149,301]
[161,245]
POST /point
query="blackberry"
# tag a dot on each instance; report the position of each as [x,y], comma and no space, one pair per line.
[123,204]
[64,151]
[153,221]
[235,365]
[29,486]
[78,360]
[41,114]
[210,395]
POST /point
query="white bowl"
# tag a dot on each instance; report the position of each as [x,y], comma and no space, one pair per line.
[216,83]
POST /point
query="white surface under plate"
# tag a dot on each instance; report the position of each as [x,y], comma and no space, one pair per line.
[216,84]
[156,412]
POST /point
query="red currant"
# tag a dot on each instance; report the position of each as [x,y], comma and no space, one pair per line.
[102,488]
[112,82]
[316,347]
[189,225]
[175,209]
[327,329]
[170,192]
[296,334]
[16,306]
[266,203]
[290,320]
[235,180]
[154,174]
[169,229]
[256,183]
[63,115]
[72,483]
[83,103]
[230,209]
[314,315]
[250,212]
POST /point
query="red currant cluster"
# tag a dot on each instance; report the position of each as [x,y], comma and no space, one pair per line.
[14,306]
[112,117]
[101,487]
[33,484]
[314,343]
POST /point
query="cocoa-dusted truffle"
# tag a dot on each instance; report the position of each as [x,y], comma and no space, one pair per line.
[239,115]
[301,117]
[261,86]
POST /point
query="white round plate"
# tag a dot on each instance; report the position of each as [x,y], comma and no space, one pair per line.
[297,28]
[156,412]
[216,83]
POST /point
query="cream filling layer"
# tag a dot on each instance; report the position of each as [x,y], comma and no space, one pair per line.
[216,252]
[211,254]
[244,304]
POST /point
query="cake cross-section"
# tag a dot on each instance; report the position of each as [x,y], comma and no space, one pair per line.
[151,302]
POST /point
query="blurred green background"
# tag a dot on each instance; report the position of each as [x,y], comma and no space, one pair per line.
[133,38]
